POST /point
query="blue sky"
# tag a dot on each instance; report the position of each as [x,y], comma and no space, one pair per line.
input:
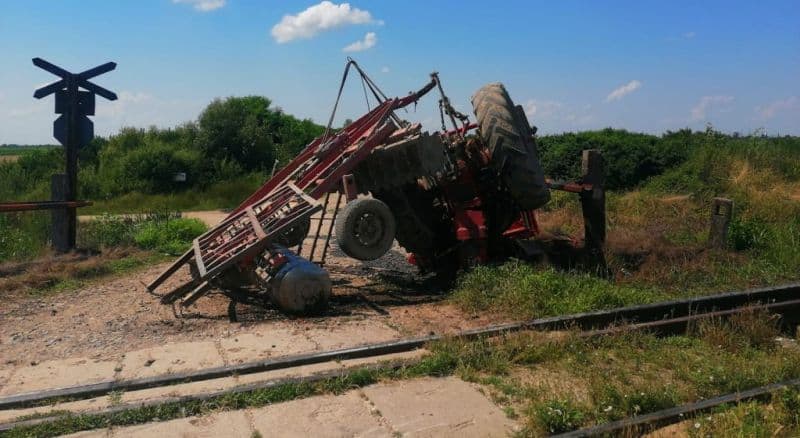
[575,65]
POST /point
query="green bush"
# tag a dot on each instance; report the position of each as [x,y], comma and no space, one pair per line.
[171,237]
[630,157]
[748,233]
[107,231]
[23,235]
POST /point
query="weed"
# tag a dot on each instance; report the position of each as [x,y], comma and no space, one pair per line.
[558,416]
[115,398]
[750,329]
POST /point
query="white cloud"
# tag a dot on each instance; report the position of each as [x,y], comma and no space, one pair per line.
[319,18]
[203,5]
[125,102]
[623,90]
[27,111]
[769,111]
[699,110]
[369,41]
[384,69]
[554,111]
[542,108]
[688,35]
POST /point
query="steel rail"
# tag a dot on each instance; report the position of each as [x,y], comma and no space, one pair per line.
[7,207]
[678,413]
[665,317]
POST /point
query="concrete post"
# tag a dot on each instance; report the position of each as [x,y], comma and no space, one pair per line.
[721,213]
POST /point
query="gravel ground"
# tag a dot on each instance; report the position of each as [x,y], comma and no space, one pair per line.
[115,315]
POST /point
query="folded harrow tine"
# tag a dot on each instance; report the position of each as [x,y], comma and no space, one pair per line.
[198,292]
[178,293]
[169,271]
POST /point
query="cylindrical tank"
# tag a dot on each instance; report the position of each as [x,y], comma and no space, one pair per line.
[299,286]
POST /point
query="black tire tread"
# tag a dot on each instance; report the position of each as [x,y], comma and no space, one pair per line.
[511,145]
[346,221]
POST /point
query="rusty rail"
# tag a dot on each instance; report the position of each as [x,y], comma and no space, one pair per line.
[8,207]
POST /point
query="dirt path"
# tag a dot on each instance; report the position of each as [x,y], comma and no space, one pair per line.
[209,217]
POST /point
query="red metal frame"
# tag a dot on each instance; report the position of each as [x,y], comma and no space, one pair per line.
[252,226]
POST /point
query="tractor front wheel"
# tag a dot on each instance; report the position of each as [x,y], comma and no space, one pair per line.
[365,229]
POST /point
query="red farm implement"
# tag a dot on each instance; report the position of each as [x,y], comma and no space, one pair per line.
[452,199]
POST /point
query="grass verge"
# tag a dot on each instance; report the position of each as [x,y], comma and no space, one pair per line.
[55,274]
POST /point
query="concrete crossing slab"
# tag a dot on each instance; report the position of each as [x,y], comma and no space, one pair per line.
[250,347]
[438,407]
[323,416]
[233,424]
[169,359]
[58,374]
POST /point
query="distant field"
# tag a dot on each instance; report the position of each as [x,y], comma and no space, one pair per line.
[8,158]
[15,151]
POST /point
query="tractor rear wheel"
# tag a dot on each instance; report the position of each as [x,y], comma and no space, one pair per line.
[505,131]
[365,229]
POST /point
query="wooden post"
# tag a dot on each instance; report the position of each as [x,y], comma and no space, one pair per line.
[60,217]
[721,213]
[593,206]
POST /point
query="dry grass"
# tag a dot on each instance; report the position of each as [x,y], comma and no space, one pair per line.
[8,158]
[67,271]
[750,329]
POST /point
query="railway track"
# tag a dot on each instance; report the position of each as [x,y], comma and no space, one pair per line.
[663,318]
[635,425]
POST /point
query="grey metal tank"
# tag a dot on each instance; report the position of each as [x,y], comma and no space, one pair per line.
[299,286]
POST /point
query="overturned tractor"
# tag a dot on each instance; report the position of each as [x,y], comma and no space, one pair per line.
[457,198]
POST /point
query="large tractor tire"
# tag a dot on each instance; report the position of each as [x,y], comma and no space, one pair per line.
[505,131]
[365,229]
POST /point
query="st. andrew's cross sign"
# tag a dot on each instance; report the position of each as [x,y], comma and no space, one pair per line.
[73,129]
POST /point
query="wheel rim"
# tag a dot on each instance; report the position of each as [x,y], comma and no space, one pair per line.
[369,229]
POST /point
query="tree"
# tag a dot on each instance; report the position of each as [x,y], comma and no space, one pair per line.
[237,129]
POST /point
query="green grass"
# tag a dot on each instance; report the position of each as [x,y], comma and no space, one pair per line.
[520,290]
[171,237]
[23,236]
[19,150]
[779,416]
[164,233]
[576,382]
[220,196]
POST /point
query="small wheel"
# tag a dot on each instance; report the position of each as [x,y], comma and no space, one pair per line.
[295,235]
[365,229]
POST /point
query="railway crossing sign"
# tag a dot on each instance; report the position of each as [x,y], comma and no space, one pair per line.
[73,103]
[73,129]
